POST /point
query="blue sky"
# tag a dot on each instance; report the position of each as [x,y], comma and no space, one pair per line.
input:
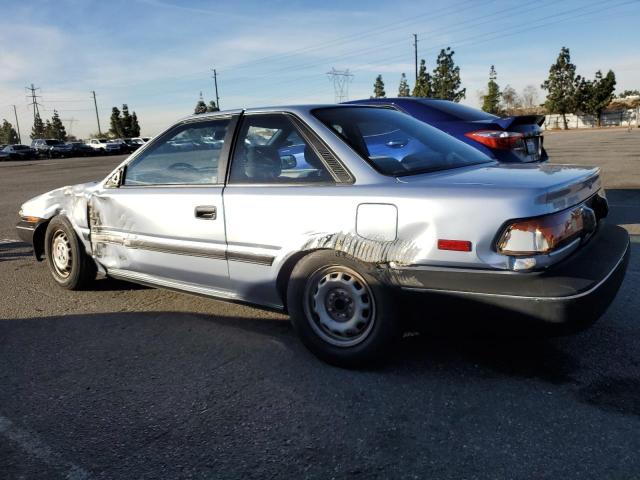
[156,55]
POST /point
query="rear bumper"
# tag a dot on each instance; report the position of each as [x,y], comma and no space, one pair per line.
[575,292]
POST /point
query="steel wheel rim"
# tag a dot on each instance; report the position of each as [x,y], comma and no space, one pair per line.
[340,306]
[61,254]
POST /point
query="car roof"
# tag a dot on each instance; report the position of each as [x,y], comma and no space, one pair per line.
[299,109]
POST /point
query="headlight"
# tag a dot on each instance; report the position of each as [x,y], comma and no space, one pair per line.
[542,235]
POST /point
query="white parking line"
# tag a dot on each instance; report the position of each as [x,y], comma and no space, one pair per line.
[31,444]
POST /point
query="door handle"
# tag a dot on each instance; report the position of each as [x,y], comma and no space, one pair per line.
[206,212]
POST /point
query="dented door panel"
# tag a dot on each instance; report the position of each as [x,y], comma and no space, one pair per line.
[155,231]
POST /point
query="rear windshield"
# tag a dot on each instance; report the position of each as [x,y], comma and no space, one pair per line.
[20,147]
[454,111]
[397,144]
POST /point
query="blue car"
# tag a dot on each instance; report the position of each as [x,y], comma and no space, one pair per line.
[516,139]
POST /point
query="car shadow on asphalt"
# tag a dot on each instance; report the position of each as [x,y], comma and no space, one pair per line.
[473,357]
[14,251]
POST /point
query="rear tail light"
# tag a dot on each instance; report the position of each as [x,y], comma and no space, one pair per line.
[498,139]
[536,236]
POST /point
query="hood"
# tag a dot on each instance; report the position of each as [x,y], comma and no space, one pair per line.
[559,186]
[61,199]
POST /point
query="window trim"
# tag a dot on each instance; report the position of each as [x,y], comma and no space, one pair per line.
[307,134]
[222,160]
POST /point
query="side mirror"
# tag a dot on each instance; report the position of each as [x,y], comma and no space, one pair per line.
[116,179]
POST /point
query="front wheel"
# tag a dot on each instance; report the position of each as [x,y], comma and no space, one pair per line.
[68,262]
[340,310]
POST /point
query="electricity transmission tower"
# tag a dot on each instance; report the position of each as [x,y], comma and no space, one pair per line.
[71,121]
[34,100]
[341,80]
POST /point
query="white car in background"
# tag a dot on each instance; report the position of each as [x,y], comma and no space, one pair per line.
[103,145]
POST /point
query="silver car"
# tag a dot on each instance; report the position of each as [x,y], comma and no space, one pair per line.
[385,217]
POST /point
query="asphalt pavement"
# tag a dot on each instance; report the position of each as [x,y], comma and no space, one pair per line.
[124,382]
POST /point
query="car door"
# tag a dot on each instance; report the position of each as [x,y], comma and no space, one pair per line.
[272,206]
[160,219]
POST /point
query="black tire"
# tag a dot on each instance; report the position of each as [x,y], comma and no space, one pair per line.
[368,341]
[81,269]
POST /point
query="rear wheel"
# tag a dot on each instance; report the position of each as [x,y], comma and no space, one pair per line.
[342,313]
[68,263]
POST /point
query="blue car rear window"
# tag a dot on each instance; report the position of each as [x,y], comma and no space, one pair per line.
[396,144]
[455,111]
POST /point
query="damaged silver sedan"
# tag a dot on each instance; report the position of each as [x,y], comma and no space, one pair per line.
[336,214]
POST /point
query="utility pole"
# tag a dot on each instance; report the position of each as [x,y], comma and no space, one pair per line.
[415,54]
[341,80]
[15,113]
[95,104]
[34,100]
[215,82]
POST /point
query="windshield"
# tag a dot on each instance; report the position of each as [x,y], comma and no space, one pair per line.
[396,144]
[55,142]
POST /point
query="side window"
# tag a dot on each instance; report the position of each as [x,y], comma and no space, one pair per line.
[186,155]
[271,150]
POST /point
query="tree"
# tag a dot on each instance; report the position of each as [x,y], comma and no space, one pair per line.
[212,107]
[8,134]
[115,129]
[445,82]
[510,99]
[201,107]
[135,126]
[629,93]
[561,86]
[378,88]
[48,131]
[529,96]
[601,93]
[38,129]
[125,122]
[491,101]
[583,91]
[422,88]
[403,89]
[56,128]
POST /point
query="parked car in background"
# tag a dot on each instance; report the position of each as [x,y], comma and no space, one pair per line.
[341,245]
[51,148]
[103,145]
[516,139]
[19,152]
[81,149]
[140,140]
[127,145]
[4,155]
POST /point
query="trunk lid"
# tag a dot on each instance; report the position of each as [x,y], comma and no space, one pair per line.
[557,186]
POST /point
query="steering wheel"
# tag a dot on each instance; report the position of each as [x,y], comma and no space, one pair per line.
[183,167]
